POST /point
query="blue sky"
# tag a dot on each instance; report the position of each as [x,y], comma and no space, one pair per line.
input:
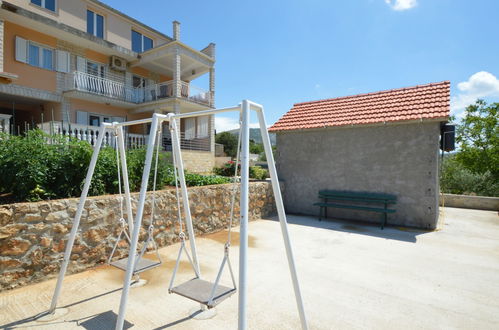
[282,52]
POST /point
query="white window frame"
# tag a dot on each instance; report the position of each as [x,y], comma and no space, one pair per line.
[44,6]
[40,55]
[95,24]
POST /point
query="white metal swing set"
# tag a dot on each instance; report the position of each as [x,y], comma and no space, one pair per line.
[207,293]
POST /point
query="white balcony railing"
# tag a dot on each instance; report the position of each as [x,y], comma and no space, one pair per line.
[132,141]
[90,134]
[85,82]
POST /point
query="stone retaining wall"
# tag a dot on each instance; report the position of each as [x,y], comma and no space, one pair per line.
[470,202]
[33,235]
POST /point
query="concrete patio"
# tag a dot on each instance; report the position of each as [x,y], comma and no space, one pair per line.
[352,276]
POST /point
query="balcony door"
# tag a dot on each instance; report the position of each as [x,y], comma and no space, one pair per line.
[96,73]
[139,85]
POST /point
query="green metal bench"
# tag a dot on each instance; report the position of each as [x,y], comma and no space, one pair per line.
[356,201]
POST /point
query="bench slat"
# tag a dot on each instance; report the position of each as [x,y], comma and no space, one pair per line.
[359,199]
[353,194]
[355,207]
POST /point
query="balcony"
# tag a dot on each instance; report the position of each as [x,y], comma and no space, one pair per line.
[132,141]
[115,90]
[90,134]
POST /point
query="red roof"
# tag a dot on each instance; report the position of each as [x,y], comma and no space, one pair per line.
[431,101]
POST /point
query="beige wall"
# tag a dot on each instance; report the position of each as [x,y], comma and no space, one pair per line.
[74,13]
[29,76]
[198,161]
[69,12]
[92,107]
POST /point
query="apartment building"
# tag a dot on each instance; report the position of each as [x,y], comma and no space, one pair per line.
[66,66]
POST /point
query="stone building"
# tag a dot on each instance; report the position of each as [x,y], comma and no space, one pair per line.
[384,142]
[68,66]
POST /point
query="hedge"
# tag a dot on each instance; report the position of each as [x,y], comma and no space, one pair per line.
[34,169]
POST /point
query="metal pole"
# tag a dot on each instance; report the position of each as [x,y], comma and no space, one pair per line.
[124,175]
[76,221]
[243,227]
[282,215]
[138,223]
[185,196]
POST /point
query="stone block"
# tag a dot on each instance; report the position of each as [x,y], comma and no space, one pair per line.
[32,217]
[5,215]
[7,263]
[57,216]
[14,247]
[11,230]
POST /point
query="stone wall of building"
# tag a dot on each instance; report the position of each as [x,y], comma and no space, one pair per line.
[399,159]
[33,235]
[201,162]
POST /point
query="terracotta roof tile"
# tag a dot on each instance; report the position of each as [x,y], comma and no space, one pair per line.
[418,102]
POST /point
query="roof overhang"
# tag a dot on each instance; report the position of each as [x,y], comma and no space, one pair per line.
[161,59]
[167,105]
[379,124]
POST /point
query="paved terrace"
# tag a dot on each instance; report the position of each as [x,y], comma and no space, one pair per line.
[352,276]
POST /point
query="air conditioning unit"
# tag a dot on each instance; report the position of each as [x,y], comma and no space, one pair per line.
[118,63]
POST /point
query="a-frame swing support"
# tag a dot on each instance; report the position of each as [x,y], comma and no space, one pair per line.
[244,108]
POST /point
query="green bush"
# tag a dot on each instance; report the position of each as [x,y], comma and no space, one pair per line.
[257,172]
[457,179]
[33,169]
[228,169]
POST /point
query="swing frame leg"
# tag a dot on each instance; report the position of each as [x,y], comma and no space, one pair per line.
[281,213]
[77,218]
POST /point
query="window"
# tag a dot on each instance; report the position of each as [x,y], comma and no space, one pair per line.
[40,56]
[202,127]
[47,4]
[96,69]
[96,120]
[190,128]
[95,24]
[140,43]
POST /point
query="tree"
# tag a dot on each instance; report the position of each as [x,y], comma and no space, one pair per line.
[256,148]
[478,139]
[229,142]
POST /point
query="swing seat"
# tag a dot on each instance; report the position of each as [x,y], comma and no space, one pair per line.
[141,265]
[200,291]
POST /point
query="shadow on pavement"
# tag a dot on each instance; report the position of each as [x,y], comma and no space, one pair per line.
[404,234]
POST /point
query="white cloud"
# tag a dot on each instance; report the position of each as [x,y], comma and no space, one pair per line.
[480,85]
[402,4]
[223,124]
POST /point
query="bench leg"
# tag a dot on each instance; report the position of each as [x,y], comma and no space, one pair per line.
[383,222]
[325,212]
[320,213]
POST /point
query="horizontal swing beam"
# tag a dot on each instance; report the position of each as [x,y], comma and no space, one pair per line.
[171,116]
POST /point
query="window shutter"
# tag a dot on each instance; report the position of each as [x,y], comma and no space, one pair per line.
[82,117]
[190,128]
[61,61]
[203,127]
[81,64]
[21,50]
